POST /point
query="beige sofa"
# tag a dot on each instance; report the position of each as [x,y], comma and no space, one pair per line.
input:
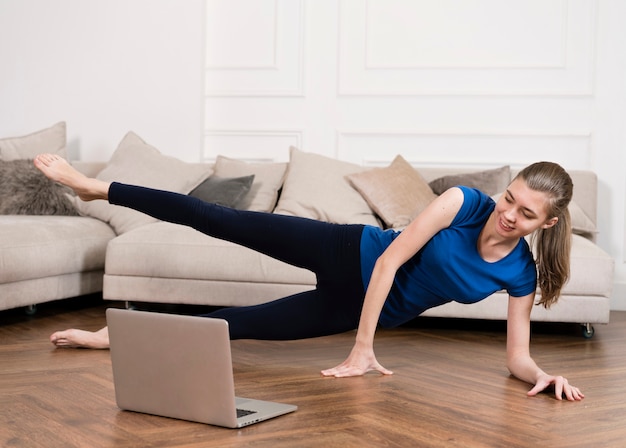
[46,251]
[168,263]
[144,260]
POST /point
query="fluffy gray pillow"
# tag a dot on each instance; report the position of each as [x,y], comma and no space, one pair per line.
[24,190]
[228,192]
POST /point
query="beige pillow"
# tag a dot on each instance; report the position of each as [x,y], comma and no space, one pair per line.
[581,223]
[135,162]
[268,178]
[315,187]
[52,140]
[489,182]
[396,193]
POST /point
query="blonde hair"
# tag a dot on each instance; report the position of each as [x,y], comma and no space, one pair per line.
[552,245]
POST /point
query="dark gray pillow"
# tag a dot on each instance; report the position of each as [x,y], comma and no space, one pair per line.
[489,182]
[24,190]
[228,192]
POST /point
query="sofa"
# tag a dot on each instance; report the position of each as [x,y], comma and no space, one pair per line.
[135,258]
[47,251]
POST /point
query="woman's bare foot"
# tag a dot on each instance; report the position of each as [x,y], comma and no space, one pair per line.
[59,170]
[81,339]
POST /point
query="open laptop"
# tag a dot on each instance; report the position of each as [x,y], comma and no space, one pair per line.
[180,367]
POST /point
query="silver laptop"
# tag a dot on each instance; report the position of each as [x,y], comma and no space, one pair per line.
[180,367]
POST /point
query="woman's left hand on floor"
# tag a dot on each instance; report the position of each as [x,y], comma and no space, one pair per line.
[562,388]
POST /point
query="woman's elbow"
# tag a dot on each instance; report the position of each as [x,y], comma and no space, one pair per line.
[385,263]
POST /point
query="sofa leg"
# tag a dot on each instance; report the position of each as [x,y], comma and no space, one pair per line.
[588,330]
[30,310]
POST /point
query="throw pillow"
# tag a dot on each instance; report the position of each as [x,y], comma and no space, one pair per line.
[315,187]
[24,190]
[136,162]
[581,223]
[227,192]
[268,179]
[52,140]
[489,182]
[396,193]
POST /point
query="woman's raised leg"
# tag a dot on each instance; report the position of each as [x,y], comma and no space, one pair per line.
[307,243]
[331,251]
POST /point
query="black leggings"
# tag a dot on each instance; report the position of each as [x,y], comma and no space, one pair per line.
[331,251]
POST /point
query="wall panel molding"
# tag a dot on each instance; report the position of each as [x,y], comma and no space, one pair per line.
[479,148]
[252,145]
[401,47]
[267,60]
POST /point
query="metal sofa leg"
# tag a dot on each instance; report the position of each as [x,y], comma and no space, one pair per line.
[588,330]
[30,310]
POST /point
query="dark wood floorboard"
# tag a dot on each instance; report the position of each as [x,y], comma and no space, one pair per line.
[450,389]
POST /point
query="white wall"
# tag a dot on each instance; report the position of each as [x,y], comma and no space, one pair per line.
[486,82]
[104,67]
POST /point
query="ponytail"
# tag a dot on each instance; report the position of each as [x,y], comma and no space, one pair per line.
[551,245]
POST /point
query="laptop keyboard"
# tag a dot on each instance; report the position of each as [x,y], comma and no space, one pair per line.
[244,412]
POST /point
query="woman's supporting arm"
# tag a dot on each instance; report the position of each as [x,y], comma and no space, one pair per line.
[438,215]
[519,361]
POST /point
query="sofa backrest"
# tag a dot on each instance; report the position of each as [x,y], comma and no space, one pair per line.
[585,182]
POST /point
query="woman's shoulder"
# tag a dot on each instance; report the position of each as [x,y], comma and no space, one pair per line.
[474,194]
[476,204]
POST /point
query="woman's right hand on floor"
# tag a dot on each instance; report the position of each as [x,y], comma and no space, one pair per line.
[359,362]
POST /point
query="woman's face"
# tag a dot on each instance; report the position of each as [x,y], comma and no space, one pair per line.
[521,210]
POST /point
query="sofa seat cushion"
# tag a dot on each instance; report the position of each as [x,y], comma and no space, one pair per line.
[591,270]
[44,246]
[166,250]
[179,252]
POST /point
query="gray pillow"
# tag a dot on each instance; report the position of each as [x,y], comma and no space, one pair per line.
[24,190]
[228,192]
[489,182]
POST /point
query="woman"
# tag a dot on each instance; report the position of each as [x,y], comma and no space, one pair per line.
[462,247]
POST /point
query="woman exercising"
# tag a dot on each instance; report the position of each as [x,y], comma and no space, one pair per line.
[462,247]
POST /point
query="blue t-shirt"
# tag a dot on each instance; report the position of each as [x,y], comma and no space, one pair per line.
[449,267]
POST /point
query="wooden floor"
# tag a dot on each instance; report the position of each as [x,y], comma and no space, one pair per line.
[450,389]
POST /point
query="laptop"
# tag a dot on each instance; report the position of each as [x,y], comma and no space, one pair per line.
[179,367]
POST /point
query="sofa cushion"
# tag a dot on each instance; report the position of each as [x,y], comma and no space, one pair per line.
[228,192]
[136,162]
[52,140]
[396,193]
[315,187]
[24,190]
[268,179]
[591,269]
[489,182]
[181,252]
[581,223]
[44,246]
